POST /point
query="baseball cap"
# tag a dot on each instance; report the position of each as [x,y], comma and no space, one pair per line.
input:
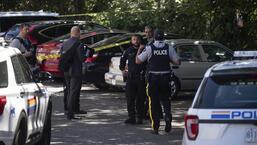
[158,34]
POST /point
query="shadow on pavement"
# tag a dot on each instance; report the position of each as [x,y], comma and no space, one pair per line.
[104,123]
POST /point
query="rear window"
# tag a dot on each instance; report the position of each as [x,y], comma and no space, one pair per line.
[57,30]
[229,91]
[3,75]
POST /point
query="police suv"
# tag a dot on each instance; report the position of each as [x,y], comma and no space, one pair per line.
[224,111]
[25,106]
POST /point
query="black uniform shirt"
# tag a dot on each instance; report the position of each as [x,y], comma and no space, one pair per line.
[130,55]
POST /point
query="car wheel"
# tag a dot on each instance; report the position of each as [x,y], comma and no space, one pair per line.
[21,134]
[46,136]
[174,87]
[101,85]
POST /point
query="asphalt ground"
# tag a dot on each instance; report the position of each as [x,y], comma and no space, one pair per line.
[104,122]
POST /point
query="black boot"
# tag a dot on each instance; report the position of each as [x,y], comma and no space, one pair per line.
[130,121]
[139,121]
[168,125]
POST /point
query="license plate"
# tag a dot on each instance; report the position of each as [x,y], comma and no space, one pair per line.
[113,82]
[251,135]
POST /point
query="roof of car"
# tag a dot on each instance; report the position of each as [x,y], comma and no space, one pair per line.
[27,13]
[7,51]
[192,41]
[233,67]
[50,22]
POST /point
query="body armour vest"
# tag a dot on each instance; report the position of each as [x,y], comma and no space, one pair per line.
[160,60]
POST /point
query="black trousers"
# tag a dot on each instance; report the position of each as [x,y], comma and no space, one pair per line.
[158,91]
[73,84]
[135,93]
[65,95]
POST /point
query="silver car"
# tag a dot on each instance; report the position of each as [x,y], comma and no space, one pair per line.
[196,57]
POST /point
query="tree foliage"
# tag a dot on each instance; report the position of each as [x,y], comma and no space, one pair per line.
[199,19]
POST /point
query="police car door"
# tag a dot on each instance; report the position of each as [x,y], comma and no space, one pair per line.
[28,91]
[191,70]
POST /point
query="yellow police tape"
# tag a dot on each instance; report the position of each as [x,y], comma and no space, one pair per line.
[41,57]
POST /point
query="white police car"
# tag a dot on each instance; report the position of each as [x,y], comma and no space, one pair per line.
[25,107]
[224,111]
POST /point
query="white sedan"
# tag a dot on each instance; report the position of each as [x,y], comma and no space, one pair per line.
[114,77]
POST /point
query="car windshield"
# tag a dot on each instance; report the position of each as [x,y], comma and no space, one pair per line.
[61,38]
[67,36]
[112,40]
[229,91]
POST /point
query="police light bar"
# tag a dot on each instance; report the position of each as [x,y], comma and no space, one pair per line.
[245,54]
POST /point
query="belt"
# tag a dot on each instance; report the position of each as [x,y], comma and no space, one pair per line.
[159,72]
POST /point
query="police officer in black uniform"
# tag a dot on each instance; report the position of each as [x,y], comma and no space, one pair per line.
[135,87]
[159,55]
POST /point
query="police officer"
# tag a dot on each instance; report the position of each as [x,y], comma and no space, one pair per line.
[23,44]
[135,82]
[159,55]
[149,34]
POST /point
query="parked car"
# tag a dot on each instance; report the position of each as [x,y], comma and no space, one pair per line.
[196,57]
[114,76]
[44,31]
[8,19]
[224,108]
[95,69]
[25,105]
[48,54]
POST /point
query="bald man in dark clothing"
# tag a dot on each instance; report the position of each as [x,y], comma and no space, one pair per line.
[73,75]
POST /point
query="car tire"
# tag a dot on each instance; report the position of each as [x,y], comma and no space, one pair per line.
[174,88]
[21,133]
[102,85]
[46,136]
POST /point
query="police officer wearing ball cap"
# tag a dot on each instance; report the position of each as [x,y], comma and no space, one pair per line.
[159,55]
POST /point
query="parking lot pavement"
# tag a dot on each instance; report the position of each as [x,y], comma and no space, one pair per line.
[104,123]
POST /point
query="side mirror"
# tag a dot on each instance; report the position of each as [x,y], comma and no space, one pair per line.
[43,77]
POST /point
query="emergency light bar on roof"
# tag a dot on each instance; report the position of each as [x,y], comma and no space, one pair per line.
[247,54]
[27,13]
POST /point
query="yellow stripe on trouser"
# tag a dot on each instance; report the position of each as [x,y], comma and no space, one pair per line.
[150,105]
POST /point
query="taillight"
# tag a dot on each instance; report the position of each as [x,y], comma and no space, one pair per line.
[92,59]
[192,126]
[2,104]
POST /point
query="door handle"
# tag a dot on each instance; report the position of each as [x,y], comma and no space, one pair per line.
[37,93]
[175,67]
[22,94]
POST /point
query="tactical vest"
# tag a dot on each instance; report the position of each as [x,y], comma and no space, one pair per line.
[160,60]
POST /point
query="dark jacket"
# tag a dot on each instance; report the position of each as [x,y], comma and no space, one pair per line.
[77,55]
[130,55]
